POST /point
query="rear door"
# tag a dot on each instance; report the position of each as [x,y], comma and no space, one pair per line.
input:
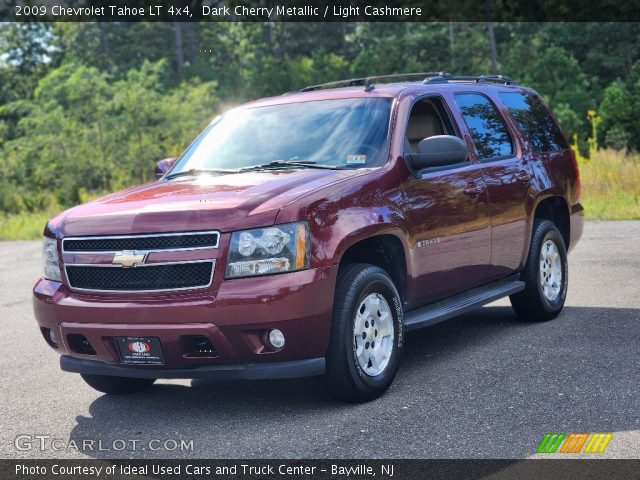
[507,177]
[543,143]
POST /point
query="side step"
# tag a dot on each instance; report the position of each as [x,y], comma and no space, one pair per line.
[461,303]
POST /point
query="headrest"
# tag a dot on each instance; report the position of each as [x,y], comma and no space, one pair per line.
[423,126]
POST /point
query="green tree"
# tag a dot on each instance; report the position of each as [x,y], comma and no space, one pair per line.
[84,132]
[557,76]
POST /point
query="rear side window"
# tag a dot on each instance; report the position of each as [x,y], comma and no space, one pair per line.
[535,121]
[485,124]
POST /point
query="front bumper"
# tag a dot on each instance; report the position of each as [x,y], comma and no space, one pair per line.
[233,315]
[251,371]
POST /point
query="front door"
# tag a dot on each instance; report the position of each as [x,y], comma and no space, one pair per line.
[448,213]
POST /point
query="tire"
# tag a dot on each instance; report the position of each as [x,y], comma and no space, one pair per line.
[360,377]
[546,288]
[117,385]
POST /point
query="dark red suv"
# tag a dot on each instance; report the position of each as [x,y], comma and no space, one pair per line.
[303,235]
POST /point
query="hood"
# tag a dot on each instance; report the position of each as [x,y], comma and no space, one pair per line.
[223,202]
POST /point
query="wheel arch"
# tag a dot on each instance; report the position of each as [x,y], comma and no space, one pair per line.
[384,249]
[556,209]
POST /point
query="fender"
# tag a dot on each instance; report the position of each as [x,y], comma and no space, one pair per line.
[370,231]
[343,214]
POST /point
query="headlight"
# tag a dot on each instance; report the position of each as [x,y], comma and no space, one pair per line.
[264,251]
[51,260]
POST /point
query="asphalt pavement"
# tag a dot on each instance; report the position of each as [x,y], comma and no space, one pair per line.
[484,385]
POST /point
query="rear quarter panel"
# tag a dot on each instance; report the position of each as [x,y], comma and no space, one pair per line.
[556,174]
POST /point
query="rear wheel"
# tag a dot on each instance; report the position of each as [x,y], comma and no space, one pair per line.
[366,334]
[115,385]
[545,274]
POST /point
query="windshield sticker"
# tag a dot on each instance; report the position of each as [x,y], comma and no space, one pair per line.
[356,159]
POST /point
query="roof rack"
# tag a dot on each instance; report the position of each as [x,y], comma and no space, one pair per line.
[429,79]
[367,82]
[446,78]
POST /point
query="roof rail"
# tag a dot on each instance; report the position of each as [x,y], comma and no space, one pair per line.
[368,81]
[429,79]
[501,79]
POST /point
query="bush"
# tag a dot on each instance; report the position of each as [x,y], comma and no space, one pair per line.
[617,138]
[11,201]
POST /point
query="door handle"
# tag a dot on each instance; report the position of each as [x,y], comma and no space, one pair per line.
[524,177]
[472,189]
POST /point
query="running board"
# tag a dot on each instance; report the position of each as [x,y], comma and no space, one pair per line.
[461,303]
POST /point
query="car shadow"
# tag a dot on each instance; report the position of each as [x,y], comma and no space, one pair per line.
[484,385]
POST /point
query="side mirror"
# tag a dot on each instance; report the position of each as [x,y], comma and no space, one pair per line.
[163,166]
[439,151]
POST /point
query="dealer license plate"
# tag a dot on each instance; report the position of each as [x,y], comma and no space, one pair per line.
[140,350]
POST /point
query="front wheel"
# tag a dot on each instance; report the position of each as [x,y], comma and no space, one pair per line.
[115,385]
[546,275]
[366,334]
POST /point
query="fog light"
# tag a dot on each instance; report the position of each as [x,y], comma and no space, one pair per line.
[202,347]
[79,344]
[276,338]
[49,337]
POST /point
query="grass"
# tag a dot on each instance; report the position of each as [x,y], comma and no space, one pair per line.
[611,186]
[27,226]
[610,191]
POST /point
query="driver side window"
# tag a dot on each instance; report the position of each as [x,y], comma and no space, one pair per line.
[427,119]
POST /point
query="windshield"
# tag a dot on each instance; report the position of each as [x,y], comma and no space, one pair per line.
[344,133]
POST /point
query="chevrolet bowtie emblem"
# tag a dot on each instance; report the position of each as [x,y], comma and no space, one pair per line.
[129,258]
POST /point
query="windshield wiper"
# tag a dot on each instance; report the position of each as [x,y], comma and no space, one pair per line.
[197,171]
[287,163]
[272,164]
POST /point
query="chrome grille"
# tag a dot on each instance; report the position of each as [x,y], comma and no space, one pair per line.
[118,273]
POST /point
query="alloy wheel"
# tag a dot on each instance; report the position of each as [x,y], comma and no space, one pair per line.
[373,330]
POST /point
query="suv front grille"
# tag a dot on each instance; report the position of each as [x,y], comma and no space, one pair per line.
[175,276]
[157,242]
